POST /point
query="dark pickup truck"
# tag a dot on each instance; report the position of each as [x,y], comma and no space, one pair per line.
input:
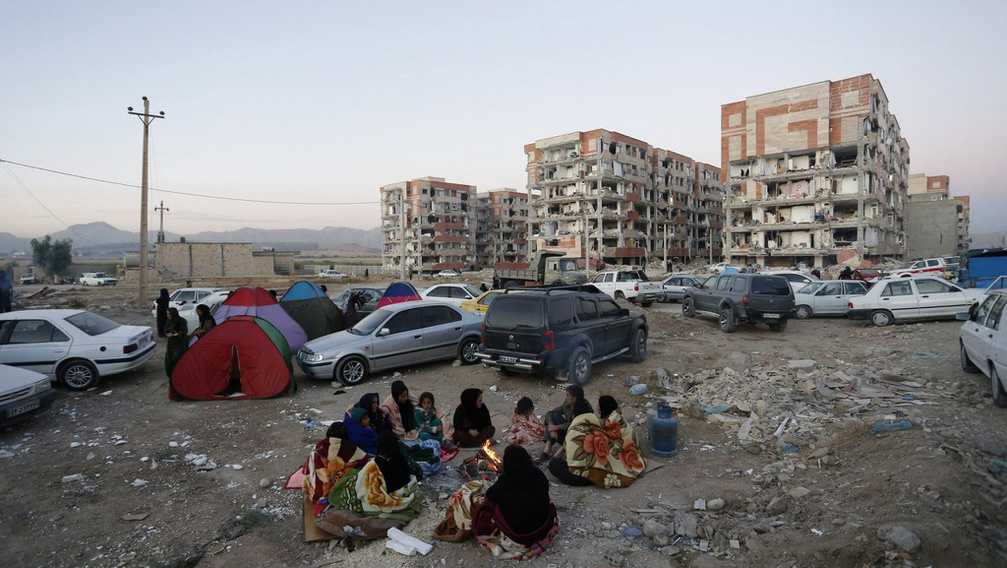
[742,298]
[561,331]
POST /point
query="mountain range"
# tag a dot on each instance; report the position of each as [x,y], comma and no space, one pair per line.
[101,237]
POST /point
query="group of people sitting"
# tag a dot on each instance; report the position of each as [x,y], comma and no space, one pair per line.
[363,476]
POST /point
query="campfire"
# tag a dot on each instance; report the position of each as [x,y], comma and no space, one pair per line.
[483,465]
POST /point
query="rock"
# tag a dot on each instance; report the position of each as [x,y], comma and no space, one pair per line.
[830,460]
[140,482]
[903,538]
[989,444]
[715,504]
[800,492]
[662,540]
[761,528]
[838,522]
[738,360]
[261,504]
[820,453]
[776,506]
[686,524]
[801,364]
[670,551]
[265,483]
[652,528]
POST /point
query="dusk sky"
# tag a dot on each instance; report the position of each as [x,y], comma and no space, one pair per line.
[324,102]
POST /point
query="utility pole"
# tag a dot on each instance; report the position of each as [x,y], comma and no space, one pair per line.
[160,232]
[146,118]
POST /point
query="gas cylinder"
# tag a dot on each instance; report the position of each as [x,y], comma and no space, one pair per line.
[663,430]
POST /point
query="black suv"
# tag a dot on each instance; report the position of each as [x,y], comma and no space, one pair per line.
[560,331]
[742,298]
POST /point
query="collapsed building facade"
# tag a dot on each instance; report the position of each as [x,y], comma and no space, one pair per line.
[501,226]
[812,171]
[621,200]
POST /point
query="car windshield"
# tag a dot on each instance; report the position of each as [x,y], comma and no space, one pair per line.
[367,325]
[91,324]
[812,288]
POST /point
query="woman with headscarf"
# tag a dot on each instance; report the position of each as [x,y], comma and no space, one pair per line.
[517,520]
[363,422]
[176,330]
[472,422]
[206,321]
[162,311]
[394,466]
[399,412]
[350,315]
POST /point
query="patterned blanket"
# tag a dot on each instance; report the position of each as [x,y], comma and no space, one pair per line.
[524,429]
[604,451]
[425,453]
[492,531]
[363,491]
[457,524]
[330,459]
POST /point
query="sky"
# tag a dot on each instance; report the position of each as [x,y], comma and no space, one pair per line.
[313,106]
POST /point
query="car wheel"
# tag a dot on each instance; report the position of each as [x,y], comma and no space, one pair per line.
[638,348]
[782,326]
[967,365]
[351,370]
[803,312]
[881,318]
[83,283]
[509,284]
[619,295]
[78,375]
[688,309]
[726,320]
[467,351]
[999,395]
[578,369]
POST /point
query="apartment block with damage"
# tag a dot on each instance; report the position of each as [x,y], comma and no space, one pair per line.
[428,225]
[813,173]
[502,226]
[937,223]
[618,198]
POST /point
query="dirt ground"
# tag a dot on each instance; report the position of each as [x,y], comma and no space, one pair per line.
[137,453]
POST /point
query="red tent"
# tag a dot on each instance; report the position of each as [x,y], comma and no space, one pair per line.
[243,357]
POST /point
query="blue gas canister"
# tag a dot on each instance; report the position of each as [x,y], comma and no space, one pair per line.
[663,430]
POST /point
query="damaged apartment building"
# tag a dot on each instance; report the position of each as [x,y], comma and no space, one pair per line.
[813,171]
[621,200]
[501,226]
[427,225]
[937,223]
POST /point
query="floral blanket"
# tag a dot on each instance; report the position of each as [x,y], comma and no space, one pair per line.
[492,531]
[604,450]
[363,491]
[330,459]
[524,429]
[457,524]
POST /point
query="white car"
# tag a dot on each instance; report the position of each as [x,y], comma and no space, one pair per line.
[720,267]
[97,279]
[448,274]
[188,298]
[23,394]
[932,266]
[75,347]
[334,274]
[983,342]
[676,285]
[188,312]
[796,279]
[29,279]
[912,298]
[451,293]
[827,298]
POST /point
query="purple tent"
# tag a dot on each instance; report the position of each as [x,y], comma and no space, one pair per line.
[260,303]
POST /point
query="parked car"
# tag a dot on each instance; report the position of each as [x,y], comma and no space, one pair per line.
[796,279]
[983,343]
[187,298]
[482,302]
[919,266]
[396,335]
[632,285]
[75,347]
[827,298]
[448,274]
[188,312]
[97,279]
[720,267]
[560,332]
[911,298]
[331,274]
[451,293]
[676,285]
[29,279]
[742,298]
[368,307]
[23,394]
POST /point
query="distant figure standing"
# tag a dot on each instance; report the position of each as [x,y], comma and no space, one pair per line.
[846,274]
[367,273]
[162,311]
[496,282]
[6,292]
[816,273]
[176,331]
[206,321]
[483,288]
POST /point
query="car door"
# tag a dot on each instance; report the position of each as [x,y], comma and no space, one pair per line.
[403,342]
[617,326]
[829,299]
[590,322]
[702,294]
[34,344]
[442,330]
[899,297]
[975,334]
[998,340]
[940,299]
[605,282]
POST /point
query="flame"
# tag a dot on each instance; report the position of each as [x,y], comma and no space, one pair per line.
[490,453]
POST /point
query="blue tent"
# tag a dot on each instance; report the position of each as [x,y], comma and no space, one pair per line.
[312,309]
[399,292]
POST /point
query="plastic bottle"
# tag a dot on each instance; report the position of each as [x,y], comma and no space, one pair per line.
[310,425]
[663,430]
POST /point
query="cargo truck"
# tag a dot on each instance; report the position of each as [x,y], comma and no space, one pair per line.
[546,268]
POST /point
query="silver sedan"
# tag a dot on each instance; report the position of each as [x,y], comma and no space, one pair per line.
[393,336]
[676,285]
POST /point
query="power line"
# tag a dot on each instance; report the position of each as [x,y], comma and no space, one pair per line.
[201,195]
[39,201]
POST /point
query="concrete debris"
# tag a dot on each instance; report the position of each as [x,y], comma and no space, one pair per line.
[903,539]
[715,504]
[652,528]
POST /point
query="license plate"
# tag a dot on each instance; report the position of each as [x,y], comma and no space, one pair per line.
[771,316]
[22,409]
[505,359]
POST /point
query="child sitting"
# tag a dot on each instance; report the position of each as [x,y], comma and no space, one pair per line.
[525,427]
[429,424]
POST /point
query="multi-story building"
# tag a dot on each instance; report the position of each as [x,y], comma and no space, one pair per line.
[937,223]
[428,225]
[813,172]
[964,240]
[502,226]
[619,199]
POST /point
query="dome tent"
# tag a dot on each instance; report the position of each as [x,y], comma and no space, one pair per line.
[259,302]
[312,310]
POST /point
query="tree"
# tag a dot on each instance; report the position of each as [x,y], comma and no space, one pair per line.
[53,258]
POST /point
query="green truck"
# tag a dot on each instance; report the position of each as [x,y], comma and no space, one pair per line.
[546,268]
